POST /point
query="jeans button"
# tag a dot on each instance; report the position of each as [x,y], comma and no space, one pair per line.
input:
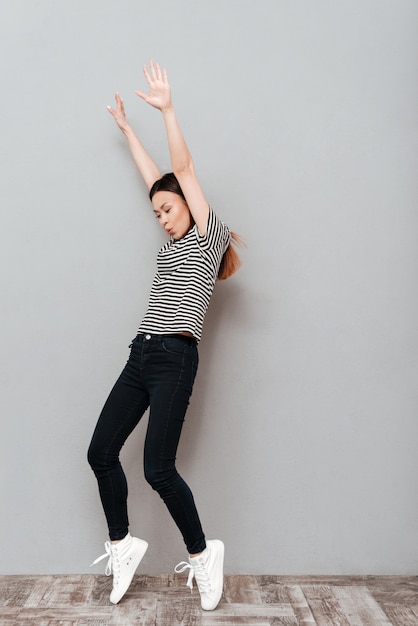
[147,337]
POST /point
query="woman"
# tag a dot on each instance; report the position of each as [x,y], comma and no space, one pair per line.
[163,360]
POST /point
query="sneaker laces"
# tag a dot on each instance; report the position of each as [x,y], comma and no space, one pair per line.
[110,565]
[197,571]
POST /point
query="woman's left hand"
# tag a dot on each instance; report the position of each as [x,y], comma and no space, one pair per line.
[159,90]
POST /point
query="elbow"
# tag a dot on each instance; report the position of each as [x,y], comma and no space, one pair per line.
[183,169]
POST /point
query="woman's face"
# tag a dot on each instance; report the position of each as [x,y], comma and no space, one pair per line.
[172,213]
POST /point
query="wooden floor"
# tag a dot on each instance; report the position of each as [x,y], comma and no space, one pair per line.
[247,600]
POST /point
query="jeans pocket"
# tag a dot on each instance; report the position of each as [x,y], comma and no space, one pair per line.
[174,345]
[132,342]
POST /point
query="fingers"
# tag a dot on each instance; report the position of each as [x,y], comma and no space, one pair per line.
[155,71]
[120,107]
[142,95]
[147,76]
[155,74]
[158,71]
[119,104]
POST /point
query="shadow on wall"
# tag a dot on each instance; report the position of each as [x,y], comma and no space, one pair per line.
[227,322]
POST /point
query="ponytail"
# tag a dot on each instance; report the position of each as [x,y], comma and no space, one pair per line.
[230,260]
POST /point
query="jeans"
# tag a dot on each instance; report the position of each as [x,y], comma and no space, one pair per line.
[159,374]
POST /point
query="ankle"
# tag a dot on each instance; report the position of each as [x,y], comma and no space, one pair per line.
[114,542]
[196,554]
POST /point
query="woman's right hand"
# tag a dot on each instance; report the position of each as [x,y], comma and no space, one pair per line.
[119,113]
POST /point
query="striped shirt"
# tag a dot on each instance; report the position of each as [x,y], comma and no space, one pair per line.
[186,273]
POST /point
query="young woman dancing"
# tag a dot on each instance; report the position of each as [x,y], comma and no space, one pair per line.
[163,360]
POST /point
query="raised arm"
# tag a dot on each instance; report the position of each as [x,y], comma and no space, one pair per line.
[181,160]
[146,166]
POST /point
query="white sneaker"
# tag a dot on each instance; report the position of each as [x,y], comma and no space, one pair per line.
[124,558]
[207,568]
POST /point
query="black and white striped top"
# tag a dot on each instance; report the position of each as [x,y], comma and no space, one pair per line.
[186,273]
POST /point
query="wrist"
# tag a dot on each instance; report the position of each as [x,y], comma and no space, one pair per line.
[126,129]
[167,109]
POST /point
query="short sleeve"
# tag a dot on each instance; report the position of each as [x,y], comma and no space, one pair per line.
[217,236]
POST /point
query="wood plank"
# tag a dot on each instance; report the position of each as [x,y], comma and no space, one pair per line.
[395,590]
[39,588]
[129,613]
[266,611]
[241,589]
[9,616]
[247,600]
[67,616]
[67,591]
[15,590]
[213,619]
[272,590]
[300,606]
[360,607]
[370,581]
[324,605]
[402,615]
[178,612]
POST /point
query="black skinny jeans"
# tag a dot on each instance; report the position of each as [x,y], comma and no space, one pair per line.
[160,374]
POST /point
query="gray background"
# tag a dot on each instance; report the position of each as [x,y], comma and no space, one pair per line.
[301,438]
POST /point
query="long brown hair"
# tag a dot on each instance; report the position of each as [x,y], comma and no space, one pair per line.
[230,261]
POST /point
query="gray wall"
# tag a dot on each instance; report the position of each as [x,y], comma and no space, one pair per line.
[301,439]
